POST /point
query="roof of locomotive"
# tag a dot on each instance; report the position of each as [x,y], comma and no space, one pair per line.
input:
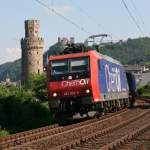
[72,55]
[110,59]
[82,54]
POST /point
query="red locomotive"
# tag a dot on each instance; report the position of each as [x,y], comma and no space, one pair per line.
[86,83]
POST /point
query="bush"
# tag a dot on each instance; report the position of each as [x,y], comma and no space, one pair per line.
[38,85]
[17,115]
[144,90]
[140,91]
[3,132]
[22,109]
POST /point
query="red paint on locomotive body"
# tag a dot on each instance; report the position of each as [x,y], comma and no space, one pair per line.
[75,55]
[94,57]
[77,87]
[69,88]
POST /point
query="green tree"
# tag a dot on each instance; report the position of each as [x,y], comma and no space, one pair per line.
[38,85]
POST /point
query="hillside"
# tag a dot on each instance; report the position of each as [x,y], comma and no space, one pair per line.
[136,51]
[11,68]
[132,51]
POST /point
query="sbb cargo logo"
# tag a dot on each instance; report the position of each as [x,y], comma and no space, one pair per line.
[74,83]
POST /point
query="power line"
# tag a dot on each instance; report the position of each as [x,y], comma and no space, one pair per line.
[138,13]
[92,18]
[63,17]
[88,15]
[132,17]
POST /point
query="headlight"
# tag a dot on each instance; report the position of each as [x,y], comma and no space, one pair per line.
[54,94]
[69,77]
[87,91]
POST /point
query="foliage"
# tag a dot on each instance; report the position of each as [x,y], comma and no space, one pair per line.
[7,91]
[22,109]
[3,132]
[35,90]
[144,90]
[3,91]
[133,51]
[19,111]
[18,115]
[13,69]
[38,85]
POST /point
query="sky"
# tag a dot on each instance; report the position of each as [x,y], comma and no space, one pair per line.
[94,16]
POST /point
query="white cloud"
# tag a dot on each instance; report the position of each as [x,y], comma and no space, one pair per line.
[9,55]
[13,52]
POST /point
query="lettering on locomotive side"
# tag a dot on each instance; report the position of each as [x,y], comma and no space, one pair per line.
[113,81]
[75,83]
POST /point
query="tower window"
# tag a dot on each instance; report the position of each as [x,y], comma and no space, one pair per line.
[38,71]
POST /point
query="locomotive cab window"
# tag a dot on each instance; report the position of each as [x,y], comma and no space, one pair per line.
[59,67]
[79,64]
[76,67]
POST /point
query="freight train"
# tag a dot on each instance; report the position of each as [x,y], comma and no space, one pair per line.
[87,84]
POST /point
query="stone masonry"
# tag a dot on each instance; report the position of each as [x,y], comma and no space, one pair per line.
[32,50]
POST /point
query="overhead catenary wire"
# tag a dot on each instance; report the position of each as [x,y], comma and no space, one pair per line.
[138,13]
[88,15]
[93,19]
[64,17]
[132,17]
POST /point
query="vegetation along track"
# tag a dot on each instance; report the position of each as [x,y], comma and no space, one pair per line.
[80,134]
[28,136]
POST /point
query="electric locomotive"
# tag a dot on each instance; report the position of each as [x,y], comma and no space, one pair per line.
[86,84]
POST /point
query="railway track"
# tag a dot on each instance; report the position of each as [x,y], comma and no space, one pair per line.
[141,142]
[117,136]
[145,99]
[76,136]
[28,136]
[15,139]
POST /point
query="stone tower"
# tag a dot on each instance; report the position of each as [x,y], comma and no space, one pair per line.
[32,50]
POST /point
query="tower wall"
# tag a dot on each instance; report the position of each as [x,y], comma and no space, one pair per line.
[32,50]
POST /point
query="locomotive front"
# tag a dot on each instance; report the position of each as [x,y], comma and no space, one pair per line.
[69,81]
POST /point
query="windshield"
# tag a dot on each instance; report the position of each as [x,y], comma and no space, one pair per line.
[59,66]
[69,65]
[79,64]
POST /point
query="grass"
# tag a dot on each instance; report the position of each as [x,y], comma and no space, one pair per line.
[146,94]
[3,132]
[45,104]
[144,90]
